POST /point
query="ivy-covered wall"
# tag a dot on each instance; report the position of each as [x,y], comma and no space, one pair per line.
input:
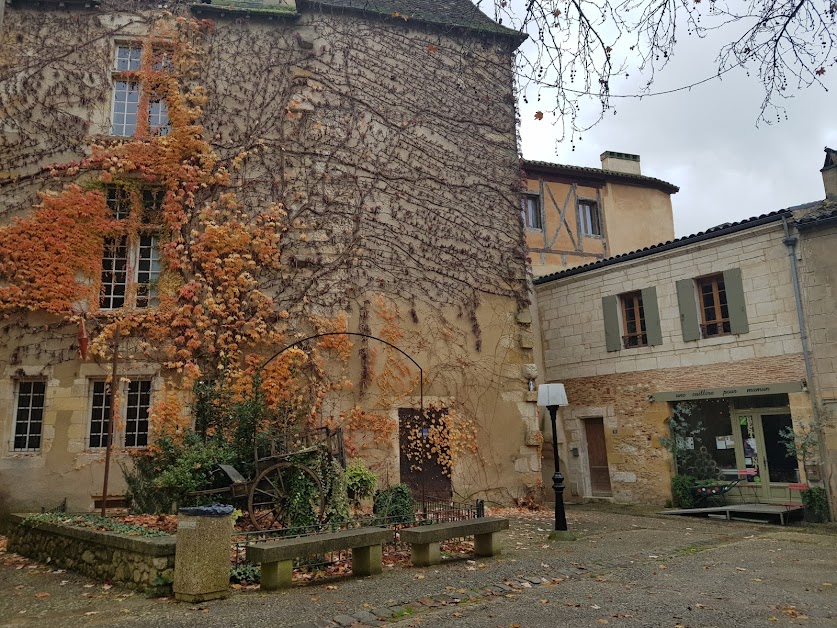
[383,150]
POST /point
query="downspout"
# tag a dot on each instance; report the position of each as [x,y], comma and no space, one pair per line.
[790,242]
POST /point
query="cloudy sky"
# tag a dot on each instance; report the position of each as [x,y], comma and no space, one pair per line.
[706,140]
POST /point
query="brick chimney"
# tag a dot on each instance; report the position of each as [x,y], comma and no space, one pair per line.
[829,174]
[620,162]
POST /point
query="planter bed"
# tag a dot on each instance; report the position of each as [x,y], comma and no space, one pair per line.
[132,557]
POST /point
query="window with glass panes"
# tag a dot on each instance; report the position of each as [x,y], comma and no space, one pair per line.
[133,432]
[114,273]
[29,415]
[126,95]
[530,205]
[136,413]
[633,320]
[713,306]
[589,220]
[131,264]
[99,415]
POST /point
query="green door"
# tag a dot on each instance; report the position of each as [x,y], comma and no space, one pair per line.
[760,446]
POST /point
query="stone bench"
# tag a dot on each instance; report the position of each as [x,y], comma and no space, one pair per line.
[276,556]
[424,540]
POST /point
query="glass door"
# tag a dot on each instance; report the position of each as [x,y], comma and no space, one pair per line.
[748,450]
[782,467]
[760,446]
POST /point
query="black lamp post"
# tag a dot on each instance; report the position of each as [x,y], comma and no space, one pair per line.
[552,397]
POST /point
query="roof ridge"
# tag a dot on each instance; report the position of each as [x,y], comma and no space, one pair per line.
[601,171]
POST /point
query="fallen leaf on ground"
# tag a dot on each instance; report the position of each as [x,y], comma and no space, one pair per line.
[42,594]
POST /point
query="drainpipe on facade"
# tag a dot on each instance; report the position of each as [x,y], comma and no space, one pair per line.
[790,242]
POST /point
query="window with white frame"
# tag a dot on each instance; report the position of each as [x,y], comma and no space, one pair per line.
[131,263]
[136,402]
[127,92]
[29,415]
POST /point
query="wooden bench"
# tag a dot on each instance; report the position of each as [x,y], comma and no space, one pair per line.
[276,556]
[424,540]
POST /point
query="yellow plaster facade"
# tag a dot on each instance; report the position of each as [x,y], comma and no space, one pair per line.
[631,212]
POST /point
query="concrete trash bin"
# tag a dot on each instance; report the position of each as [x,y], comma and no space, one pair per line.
[202,553]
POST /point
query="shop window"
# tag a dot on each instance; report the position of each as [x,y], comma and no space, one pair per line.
[706,448]
[29,415]
[530,205]
[133,431]
[589,220]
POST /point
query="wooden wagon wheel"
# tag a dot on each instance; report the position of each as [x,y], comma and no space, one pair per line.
[271,500]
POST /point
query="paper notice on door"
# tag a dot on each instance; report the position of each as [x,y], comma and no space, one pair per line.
[730,441]
[720,442]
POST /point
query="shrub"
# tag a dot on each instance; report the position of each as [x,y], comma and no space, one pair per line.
[816,504]
[246,574]
[162,476]
[395,504]
[360,482]
[683,491]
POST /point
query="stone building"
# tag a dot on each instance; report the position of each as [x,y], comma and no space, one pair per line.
[707,327]
[356,122]
[575,215]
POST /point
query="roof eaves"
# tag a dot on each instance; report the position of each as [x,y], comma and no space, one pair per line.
[714,232]
[482,26]
[604,175]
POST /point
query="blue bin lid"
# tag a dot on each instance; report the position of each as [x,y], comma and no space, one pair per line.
[214,510]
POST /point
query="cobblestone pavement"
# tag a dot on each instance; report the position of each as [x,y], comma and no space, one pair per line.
[624,570]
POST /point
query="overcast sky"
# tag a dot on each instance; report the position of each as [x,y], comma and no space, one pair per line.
[706,141]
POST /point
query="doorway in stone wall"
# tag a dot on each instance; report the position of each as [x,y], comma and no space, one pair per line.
[419,456]
[597,458]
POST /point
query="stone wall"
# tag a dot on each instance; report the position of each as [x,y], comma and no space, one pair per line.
[572,319]
[138,562]
[818,278]
[640,467]
[618,386]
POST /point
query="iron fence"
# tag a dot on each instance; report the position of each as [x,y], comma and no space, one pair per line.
[427,513]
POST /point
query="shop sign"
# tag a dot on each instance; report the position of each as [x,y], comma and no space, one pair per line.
[733,391]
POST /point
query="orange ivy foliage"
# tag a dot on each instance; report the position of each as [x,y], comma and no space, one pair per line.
[215,314]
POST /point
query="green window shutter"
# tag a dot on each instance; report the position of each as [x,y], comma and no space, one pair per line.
[736,304]
[688,309]
[613,339]
[652,316]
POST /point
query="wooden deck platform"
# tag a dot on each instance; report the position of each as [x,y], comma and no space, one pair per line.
[757,513]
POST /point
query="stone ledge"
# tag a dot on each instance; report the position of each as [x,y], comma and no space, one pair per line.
[148,546]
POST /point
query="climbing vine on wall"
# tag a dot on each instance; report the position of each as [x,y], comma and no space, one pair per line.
[316,174]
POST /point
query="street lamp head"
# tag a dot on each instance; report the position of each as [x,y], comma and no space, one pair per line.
[552,395]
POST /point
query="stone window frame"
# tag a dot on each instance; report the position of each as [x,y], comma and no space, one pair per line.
[131,263]
[121,427]
[720,324]
[15,416]
[127,90]
[639,337]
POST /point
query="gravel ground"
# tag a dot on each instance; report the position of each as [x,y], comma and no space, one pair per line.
[626,569]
